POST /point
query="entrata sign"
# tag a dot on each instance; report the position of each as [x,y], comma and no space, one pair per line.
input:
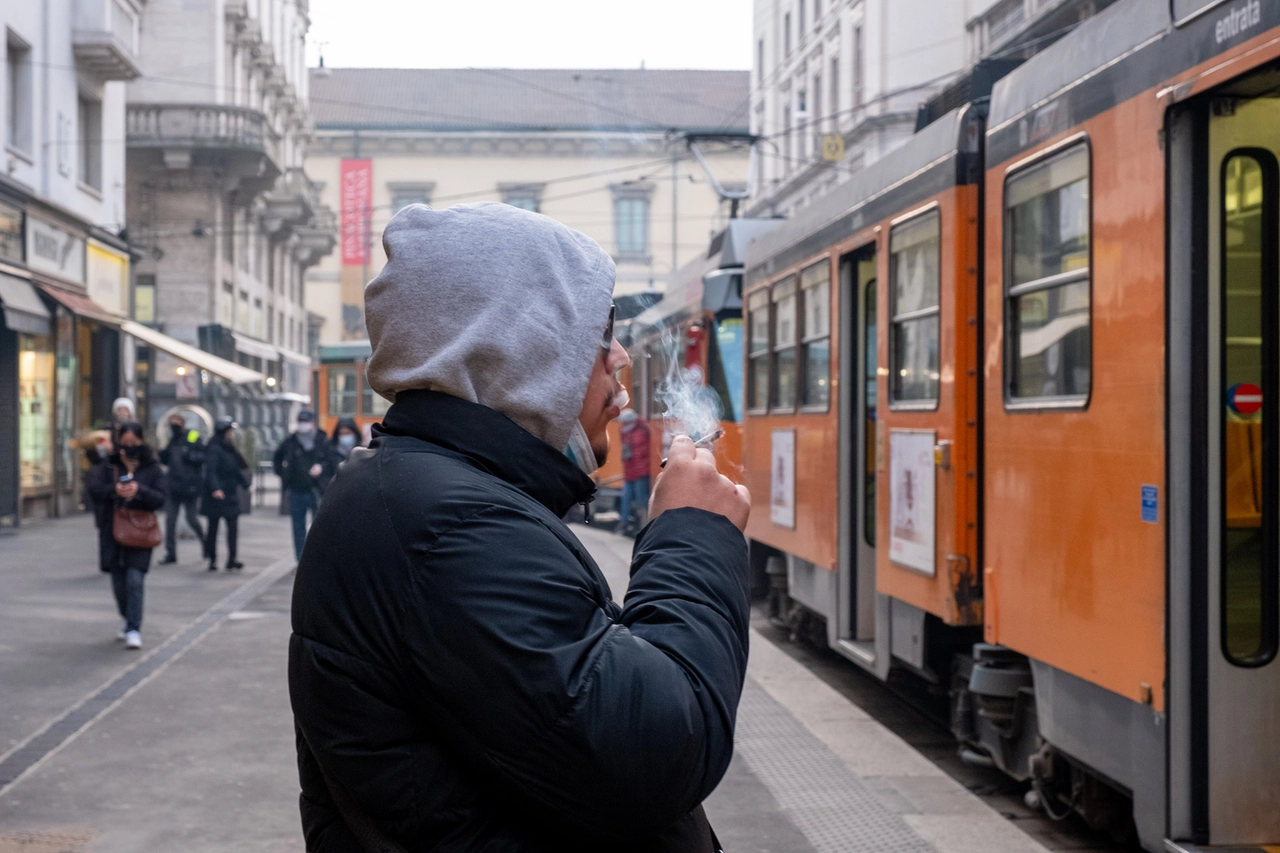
[357,209]
[1245,399]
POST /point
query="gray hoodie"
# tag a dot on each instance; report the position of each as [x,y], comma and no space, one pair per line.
[493,304]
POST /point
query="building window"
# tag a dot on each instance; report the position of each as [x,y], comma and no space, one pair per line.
[631,222]
[89,115]
[228,232]
[372,404]
[758,351]
[800,20]
[405,193]
[857,67]
[227,304]
[343,395]
[914,271]
[760,62]
[834,110]
[242,312]
[786,138]
[784,345]
[817,13]
[18,89]
[259,330]
[1047,270]
[144,298]
[786,35]
[523,196]
[815,343]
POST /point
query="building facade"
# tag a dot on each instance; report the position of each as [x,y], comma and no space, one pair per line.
[836,84]
[223,213]
[602,151]
[64,262]
[1021,28]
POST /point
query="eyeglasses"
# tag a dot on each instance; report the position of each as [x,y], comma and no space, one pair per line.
[606,343]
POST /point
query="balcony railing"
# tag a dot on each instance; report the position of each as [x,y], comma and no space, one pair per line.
[201,126]
[105,39]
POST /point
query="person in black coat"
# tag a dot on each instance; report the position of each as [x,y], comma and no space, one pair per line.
[98,450]
[184,457]
[225,473]
[305,463]
[131,478]
[460,676]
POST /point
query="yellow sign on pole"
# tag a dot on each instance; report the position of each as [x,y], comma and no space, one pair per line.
[832,147]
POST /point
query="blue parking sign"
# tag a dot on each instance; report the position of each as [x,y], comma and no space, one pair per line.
[1151,504]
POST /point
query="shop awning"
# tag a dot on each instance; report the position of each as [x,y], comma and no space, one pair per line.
[295,357]
[23,309]
[83,306]
[254,348]
[228,370]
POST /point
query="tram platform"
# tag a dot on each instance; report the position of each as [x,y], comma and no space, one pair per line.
[813,773]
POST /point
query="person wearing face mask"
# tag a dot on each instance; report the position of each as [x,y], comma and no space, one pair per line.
[304,463]
[130,480]
[184,457]
[225,474]
[346,438]
[460,676]
[97,450]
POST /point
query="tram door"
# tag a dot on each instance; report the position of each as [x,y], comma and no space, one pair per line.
[1242,704]
[858,291]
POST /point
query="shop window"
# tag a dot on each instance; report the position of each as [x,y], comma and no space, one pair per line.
[35,412]
[343,394]
[758,351]
[815,346]
[1047,273]
[784,345]
[914,264]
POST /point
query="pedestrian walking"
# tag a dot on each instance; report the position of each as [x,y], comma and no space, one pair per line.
[225,474]
[634,435]
[460,676]
[304,463]
[132,482]
[98,448]
[123,411]
[184,458]
[346,438]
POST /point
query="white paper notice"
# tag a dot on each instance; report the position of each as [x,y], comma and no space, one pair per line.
[782,479]
[911,497]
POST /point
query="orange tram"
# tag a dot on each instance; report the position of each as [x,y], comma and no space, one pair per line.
[1010,420]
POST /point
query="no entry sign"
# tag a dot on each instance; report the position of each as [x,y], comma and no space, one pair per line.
[1245,398]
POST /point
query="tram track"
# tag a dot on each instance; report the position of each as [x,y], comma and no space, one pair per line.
[919,713]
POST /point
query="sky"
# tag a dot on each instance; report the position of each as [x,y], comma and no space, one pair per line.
[712,34]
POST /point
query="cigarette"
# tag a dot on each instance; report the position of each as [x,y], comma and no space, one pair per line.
[704,443]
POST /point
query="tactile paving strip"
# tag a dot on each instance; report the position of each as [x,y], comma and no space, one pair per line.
[825,800]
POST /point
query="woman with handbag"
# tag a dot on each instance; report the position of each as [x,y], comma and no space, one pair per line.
[133,482]
[225,473]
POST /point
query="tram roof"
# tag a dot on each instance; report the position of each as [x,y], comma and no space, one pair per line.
[921,167]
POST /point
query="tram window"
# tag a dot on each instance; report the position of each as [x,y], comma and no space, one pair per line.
[372,404]
[724,366]
[758,353]
[1047,235]
[1249,351]
[342,392]
[815,360]
[915,262]
[784,344]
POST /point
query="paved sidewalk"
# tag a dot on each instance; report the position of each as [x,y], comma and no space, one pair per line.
[822,775]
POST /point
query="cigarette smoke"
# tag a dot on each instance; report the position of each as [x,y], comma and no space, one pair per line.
[692,408]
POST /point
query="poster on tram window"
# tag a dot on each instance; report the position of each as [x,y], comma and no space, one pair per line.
[911,499]
[782,479]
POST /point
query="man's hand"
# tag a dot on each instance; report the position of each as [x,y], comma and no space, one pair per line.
[316,470]
[218,495]
[691,479]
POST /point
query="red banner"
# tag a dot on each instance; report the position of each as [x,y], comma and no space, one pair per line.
[357,210]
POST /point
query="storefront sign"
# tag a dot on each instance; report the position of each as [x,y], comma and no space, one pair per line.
[356,184]
[10,233]
[55,250]
[911,498]
[108,279]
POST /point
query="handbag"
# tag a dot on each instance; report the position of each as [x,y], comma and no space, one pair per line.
[135,528]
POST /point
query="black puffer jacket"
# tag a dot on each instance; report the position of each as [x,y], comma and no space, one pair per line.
[224,471]
[458,667]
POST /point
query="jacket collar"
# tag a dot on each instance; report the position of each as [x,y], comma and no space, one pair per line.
[491,441]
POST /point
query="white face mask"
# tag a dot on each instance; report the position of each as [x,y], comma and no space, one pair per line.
[579,449]
[347,441]
[306,428]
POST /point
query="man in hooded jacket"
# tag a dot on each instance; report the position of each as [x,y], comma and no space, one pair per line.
[461,679]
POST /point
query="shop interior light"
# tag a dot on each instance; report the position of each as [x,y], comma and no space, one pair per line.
[182,371]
